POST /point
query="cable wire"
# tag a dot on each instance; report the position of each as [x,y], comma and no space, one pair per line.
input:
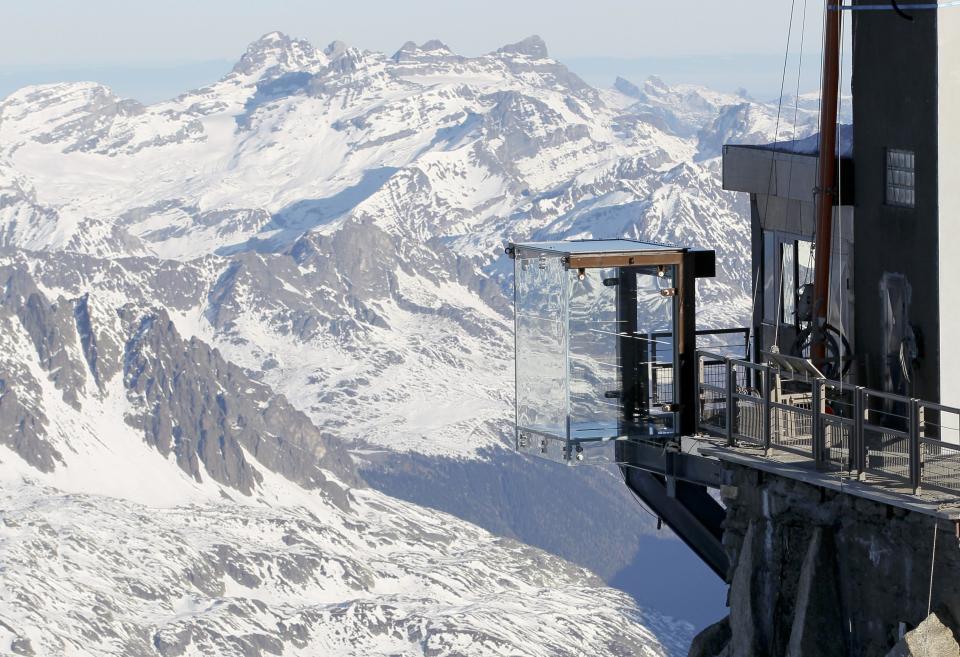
[773,157]
[933,560]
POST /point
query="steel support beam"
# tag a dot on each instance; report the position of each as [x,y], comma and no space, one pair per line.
[671,461]
[693,515]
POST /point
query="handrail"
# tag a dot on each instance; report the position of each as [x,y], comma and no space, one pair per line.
[803,420]
[890,396]
[933,406]
[709,354]
[724,331]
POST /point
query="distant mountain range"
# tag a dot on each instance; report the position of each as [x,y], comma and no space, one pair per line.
[238,325]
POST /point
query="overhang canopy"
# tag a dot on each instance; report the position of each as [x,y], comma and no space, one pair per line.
[783,179]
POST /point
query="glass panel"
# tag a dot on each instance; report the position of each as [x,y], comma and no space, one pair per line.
[805,262]
[541,344]
[769,276]
[649,355]
[788,282]
[594,367]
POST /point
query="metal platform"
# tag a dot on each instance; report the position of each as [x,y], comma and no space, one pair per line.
[875,487]
[876,445]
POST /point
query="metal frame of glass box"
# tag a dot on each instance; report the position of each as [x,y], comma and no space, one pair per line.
[605,344]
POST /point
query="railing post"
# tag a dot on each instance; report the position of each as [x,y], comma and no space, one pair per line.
[731,386]
[698,401]
[766,383]
[915,452]
[816,424]
[857,447]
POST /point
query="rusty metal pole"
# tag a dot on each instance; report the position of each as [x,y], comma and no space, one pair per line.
[826,171]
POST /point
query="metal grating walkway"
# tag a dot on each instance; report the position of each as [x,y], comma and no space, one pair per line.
[859,438]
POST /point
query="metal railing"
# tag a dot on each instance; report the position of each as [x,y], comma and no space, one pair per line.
[838,426]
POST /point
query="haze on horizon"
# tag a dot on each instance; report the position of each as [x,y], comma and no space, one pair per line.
[155,50]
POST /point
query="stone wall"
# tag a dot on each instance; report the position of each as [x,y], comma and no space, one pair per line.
[822,573]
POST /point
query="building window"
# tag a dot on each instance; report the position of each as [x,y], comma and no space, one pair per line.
[788,265]
[900,178]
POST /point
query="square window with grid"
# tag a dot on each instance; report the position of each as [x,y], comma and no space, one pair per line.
[900,178]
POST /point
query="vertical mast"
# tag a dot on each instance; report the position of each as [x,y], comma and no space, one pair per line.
[826,168]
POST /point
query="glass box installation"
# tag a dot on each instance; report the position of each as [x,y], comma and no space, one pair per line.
[599,332]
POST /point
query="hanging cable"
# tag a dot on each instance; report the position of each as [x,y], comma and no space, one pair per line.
[639,503]
[933,561]
[773,158]
[753,311]
[900,12]
[796,95]
[776,325]
[793,140]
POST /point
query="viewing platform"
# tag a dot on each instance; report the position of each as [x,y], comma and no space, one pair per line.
[786,420]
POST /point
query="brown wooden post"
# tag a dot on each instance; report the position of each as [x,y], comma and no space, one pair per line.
[826,171]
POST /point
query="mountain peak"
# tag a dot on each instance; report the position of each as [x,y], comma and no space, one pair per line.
[273,37]
[434,44]
[655,82]
[533,46]
[335,49]
[626,87]
[276,50]
[433,47]
[270,42]
[406,49]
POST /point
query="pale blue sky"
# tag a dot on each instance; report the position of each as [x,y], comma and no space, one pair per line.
[160,45]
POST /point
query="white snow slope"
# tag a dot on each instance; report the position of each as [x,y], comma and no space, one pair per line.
[331,222]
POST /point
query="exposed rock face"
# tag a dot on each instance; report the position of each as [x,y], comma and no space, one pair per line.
[931,638]
[626,87]
[818,599]
[208,411]
[824,573]
[532,46]
[751,620]
[713,641]
[182,394]
[27,321]
[49,327]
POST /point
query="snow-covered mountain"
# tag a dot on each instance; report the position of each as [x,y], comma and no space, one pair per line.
[160,501]
[223,313]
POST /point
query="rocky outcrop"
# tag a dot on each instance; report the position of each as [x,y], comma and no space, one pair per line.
[820,573]
[182,394]
[29,322]
[49,327]
[712,641]
[761,599]
[818,601]
[207,411]
[931,638]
